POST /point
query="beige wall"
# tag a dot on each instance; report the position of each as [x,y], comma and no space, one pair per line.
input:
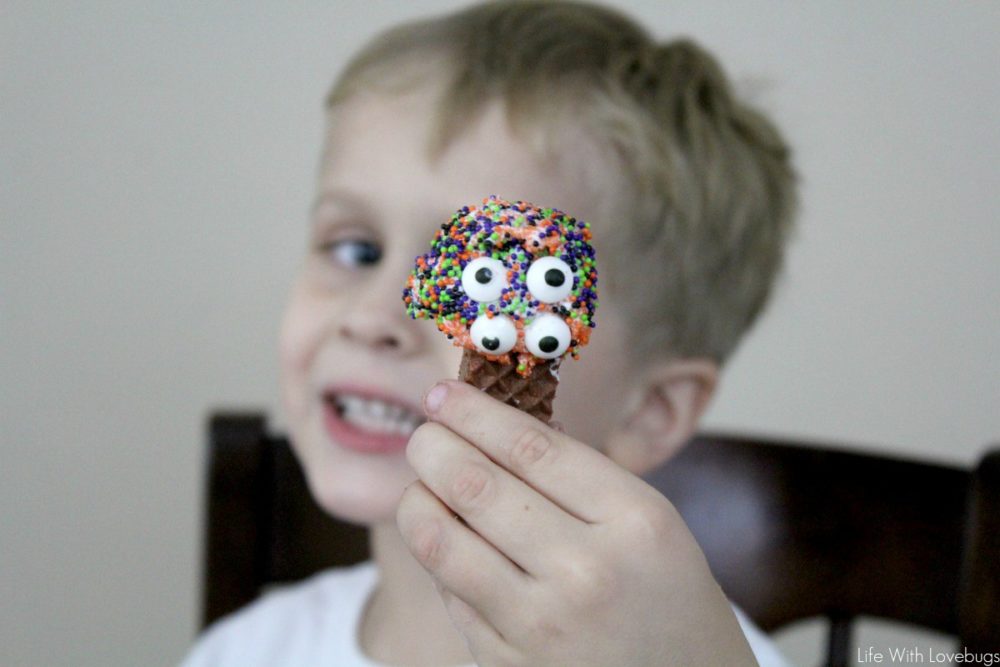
[155,172]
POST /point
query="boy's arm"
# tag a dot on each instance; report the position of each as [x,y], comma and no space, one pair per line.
[548,553]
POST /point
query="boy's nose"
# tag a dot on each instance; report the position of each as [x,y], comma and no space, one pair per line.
[381,329]
[372,337]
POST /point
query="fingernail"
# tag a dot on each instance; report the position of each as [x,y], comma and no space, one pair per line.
[435,398]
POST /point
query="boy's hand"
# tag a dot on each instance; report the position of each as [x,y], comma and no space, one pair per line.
[561,557]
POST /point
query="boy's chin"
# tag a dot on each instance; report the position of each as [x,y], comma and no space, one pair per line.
[356,502]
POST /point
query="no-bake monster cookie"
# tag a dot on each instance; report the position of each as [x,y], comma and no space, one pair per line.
[515,285]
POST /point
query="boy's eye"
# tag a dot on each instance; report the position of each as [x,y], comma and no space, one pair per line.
[354,252]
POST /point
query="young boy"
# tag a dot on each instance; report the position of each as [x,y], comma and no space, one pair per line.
[496,539]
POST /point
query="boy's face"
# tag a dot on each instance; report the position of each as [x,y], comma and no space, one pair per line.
[353,366]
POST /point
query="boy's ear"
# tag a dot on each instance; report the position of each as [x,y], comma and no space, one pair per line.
[664,413]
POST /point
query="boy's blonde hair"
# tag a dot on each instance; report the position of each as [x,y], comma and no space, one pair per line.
[702,184]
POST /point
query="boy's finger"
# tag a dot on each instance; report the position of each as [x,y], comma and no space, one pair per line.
[459,560]
[485,643]
[575,476]
[510,515]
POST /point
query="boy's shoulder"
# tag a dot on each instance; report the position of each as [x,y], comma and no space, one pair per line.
[294,624]
[763,647]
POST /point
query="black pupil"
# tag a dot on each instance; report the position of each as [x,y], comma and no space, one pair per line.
[546,344]
[554,277]
[368,253]
[357,252]
[483,277]
[491,343]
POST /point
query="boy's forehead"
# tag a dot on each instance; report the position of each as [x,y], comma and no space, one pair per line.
[378,146]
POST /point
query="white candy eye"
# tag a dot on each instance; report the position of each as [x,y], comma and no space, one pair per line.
[484,279]
[550,279]
[547,337]
[494,335]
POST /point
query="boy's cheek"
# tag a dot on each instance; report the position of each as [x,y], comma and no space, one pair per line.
[304,325]
[448,354]
[292,338]
[299,341]
[292,363]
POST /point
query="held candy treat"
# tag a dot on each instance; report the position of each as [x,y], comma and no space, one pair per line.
[513,284]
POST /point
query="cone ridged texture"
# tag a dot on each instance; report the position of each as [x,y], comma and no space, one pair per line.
[533,394]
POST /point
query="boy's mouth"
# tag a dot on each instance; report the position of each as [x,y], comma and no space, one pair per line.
[363,421]
[372,414]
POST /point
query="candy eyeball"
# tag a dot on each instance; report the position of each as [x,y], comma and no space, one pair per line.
[547,337]
[484,279]
[550,279]
[494,335]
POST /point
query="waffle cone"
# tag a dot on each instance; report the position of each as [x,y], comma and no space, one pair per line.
[533,394]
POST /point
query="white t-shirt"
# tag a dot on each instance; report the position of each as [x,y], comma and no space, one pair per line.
[315,623]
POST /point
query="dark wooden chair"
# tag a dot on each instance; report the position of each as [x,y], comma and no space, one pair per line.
[791,531]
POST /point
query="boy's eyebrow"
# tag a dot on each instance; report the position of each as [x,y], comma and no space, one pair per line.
[340,197]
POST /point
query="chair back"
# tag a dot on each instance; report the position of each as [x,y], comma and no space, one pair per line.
[795,531]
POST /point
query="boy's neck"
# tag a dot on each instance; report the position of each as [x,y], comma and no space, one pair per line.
[405,622]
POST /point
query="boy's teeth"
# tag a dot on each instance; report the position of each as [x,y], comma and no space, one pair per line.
[376,415]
